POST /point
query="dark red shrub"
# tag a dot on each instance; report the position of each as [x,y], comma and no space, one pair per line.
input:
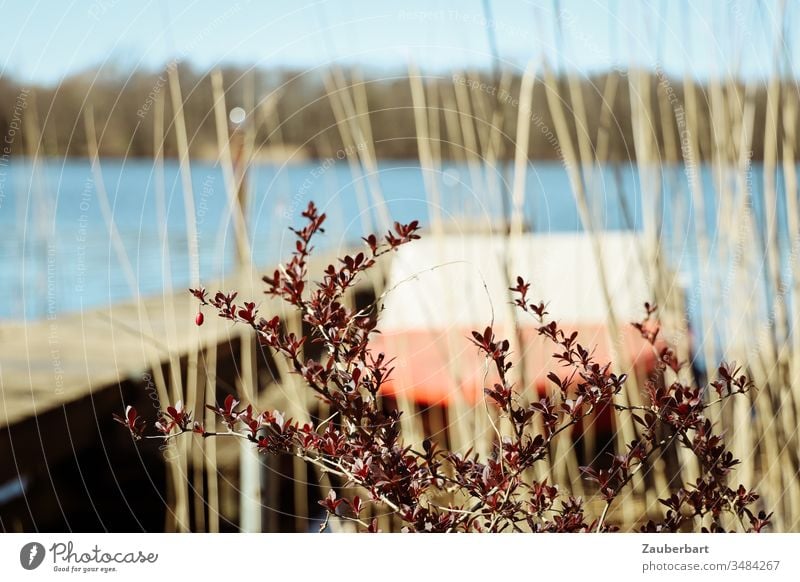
[433,490]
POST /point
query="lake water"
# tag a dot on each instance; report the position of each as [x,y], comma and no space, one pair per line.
[57,254]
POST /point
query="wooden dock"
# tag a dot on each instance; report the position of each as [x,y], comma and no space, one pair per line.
[49,363]
[62,378]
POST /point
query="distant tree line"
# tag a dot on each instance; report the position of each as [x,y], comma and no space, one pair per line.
[293,112]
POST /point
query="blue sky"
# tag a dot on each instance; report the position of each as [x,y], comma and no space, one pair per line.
[46,40]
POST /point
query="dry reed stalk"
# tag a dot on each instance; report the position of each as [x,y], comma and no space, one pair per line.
[456,148]
[195,404]
[42,213]
[366,154]
[288,383]
[426,119]
[691,159]
[198,453]
[649,164]
[426,158]
[298,403]
[742,242]
[267,110]
[491,154]
[470,139]
[522,139]
[248,345]
[771,216]
[209,448]
[186,176]
[494,145]
[790,118]
[210,420]
[783,399]
[343,125]
[724,155]
[663,282]
[433,113]
[233,180]
[572,164]
[235,187]
[741,113]
[756,349]
[179,517]
[462,434]
[234,173]
[651,256]
[179,121]
[452,126]
[467,425]
[582,182]
[354,112]
[515,230]
[250,468]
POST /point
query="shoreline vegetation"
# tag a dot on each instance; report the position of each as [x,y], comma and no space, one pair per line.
[295,119]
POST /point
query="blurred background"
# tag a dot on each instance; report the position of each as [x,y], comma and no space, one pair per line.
[613,153]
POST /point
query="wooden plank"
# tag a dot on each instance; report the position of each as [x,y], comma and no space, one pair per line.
[46,364]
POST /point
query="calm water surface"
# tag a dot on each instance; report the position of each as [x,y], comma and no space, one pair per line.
[57,252]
